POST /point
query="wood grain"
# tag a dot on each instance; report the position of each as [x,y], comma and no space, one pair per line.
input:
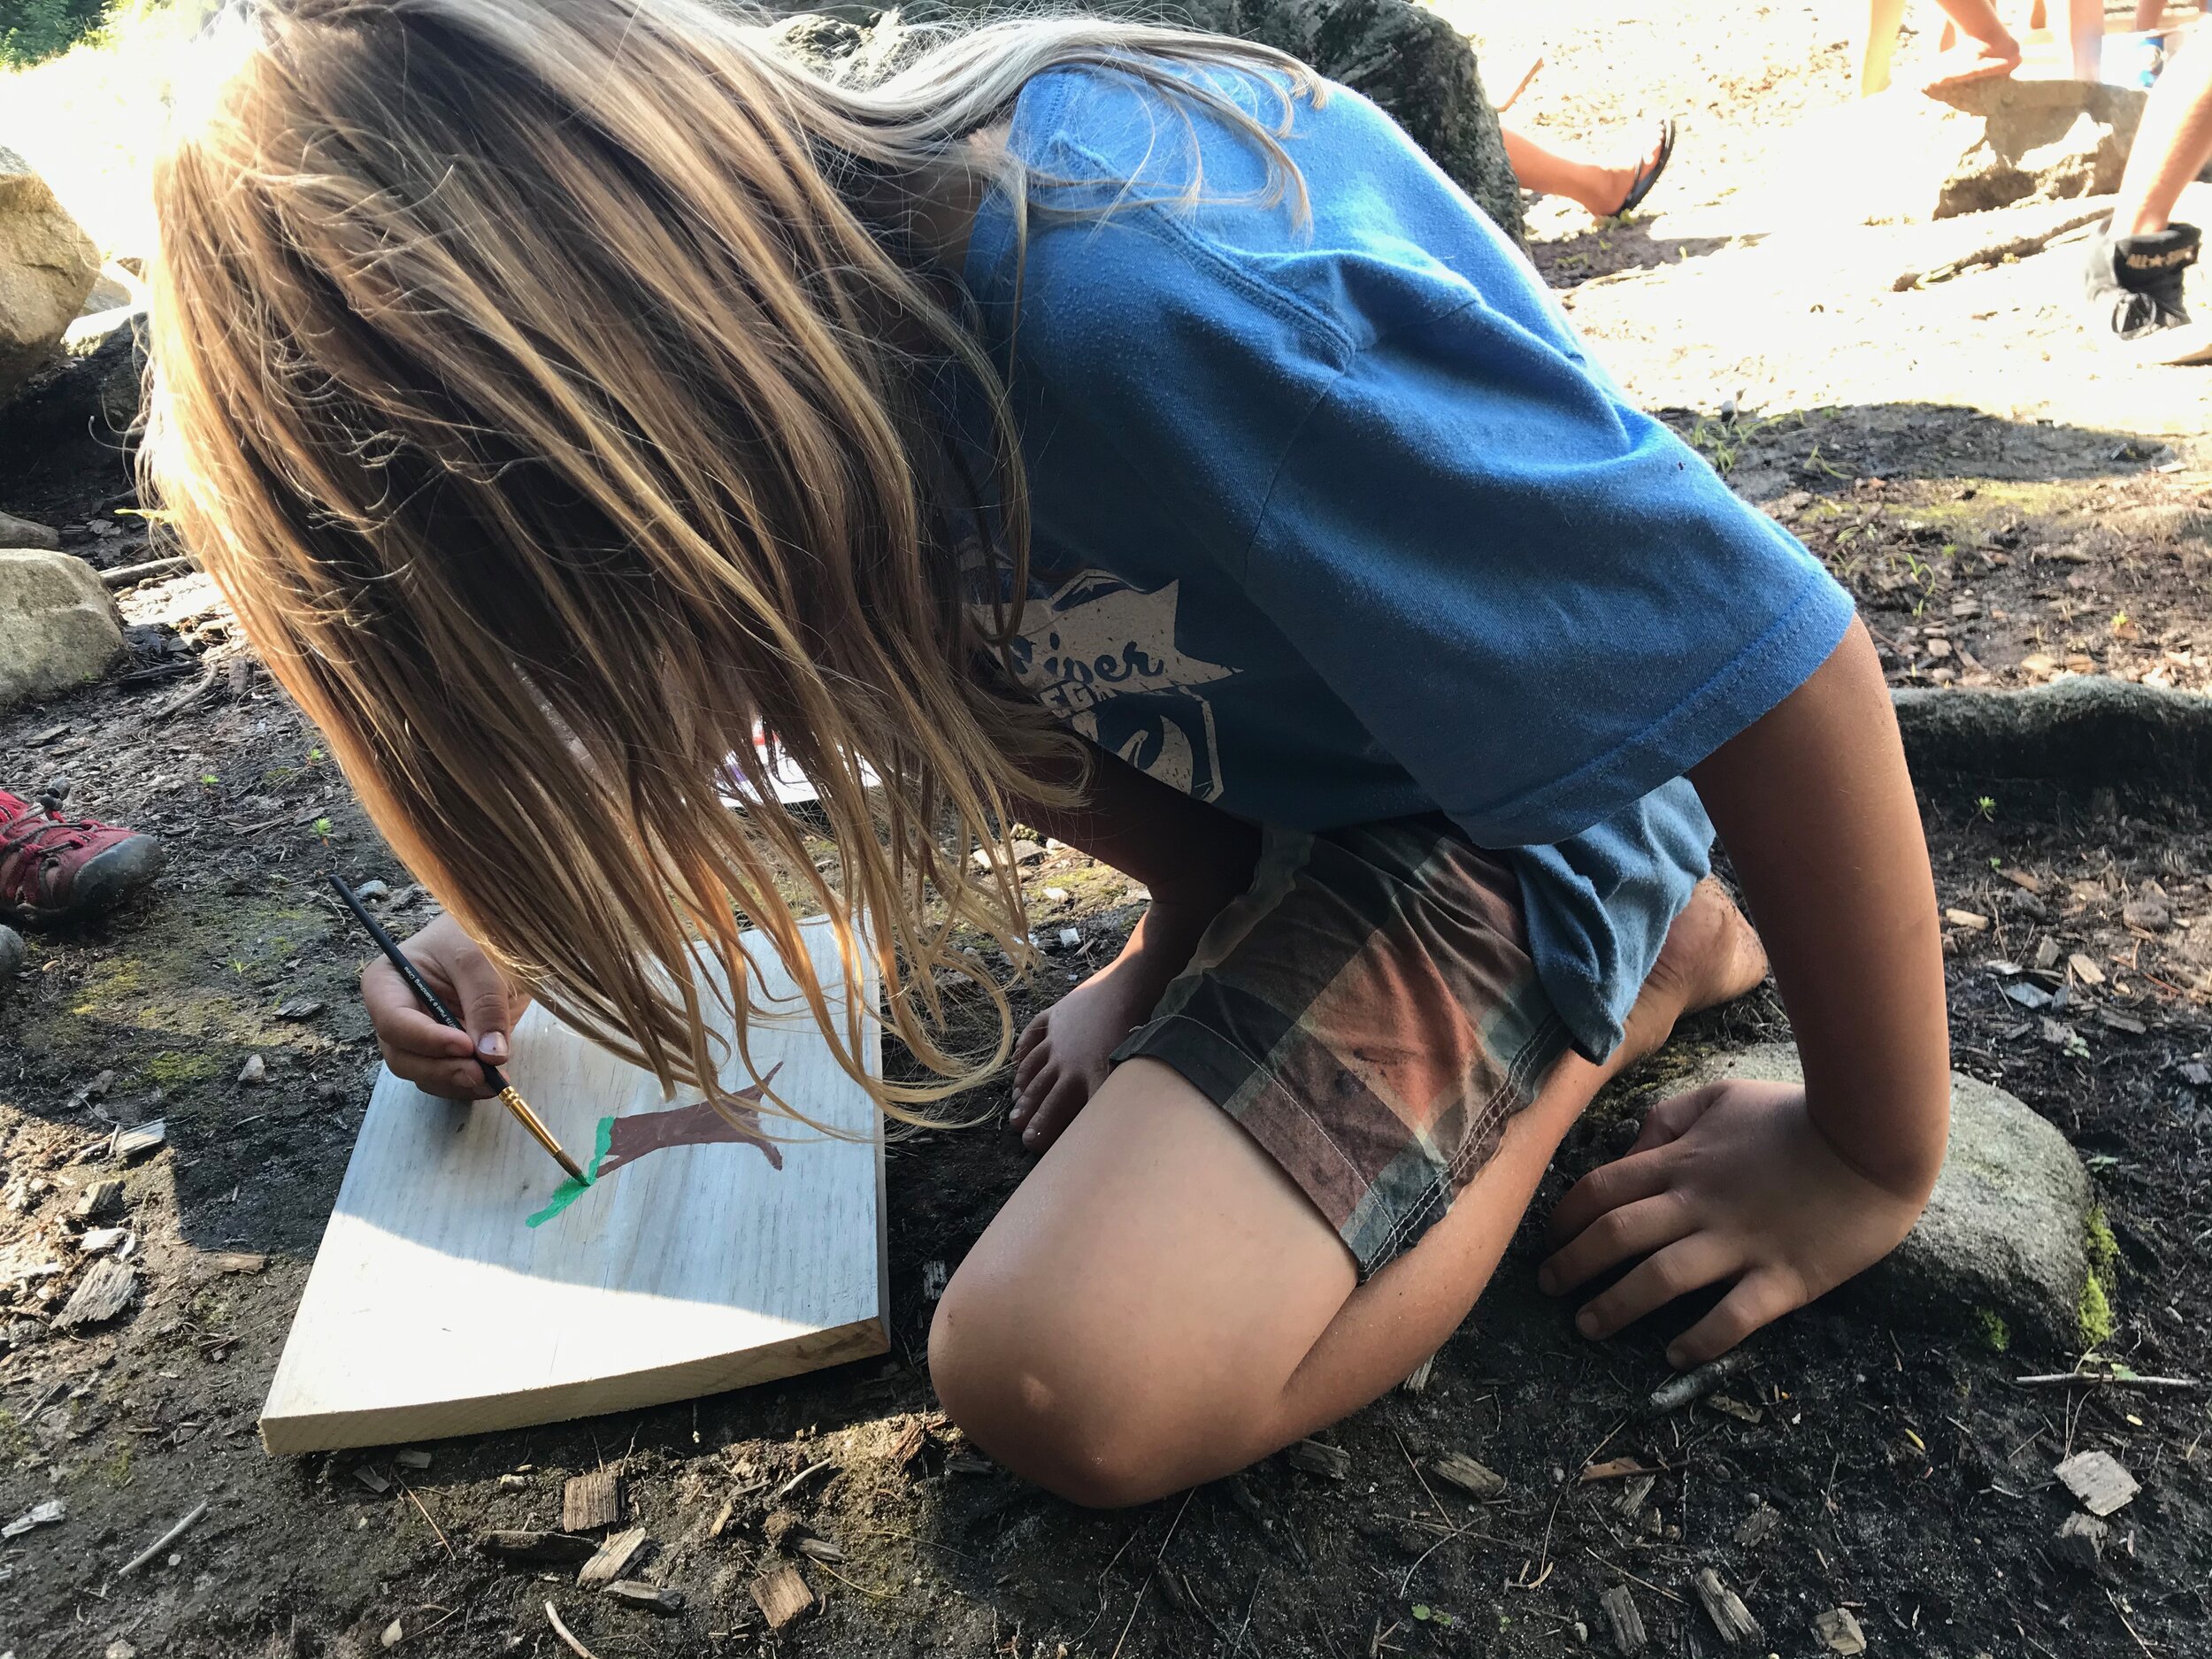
[431,1310]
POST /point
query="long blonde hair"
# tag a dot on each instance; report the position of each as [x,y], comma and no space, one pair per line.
[544,386]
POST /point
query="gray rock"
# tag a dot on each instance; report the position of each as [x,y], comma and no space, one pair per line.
[48,265]
[1403,56]
[1906,155]
[12,952]
[93,382]
[16,531]
[2005,1232]
[57,626]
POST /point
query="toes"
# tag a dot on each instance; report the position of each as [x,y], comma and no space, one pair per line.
[1035,1032]
[1029,1065]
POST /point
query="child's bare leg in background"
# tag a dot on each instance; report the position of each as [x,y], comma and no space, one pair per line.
[1158,1304]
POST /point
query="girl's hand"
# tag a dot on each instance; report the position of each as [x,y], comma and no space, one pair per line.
[436,1058]
[1732,1181]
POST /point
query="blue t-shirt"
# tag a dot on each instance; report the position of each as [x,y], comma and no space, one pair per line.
[1337,523]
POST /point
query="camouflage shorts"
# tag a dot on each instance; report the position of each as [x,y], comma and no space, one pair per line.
[1369,1012]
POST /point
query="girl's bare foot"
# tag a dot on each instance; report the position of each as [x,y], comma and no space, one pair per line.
[1061,1058]
[1609,192]
[1711,956]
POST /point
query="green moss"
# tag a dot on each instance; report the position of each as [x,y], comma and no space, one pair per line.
[2103,1251]
[115,1468]
[2103,1248]
[2095,1315]
[15,1440]
[1988,1328]
[171,1069]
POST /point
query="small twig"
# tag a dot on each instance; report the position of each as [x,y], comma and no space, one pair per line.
[1404,1452]
[823,1566]
[168,1538]
[1632,1578]
[2130,1629]
[417,1502]
[1158,1557]
[793,1485]
[568,1635]
[2056,1380]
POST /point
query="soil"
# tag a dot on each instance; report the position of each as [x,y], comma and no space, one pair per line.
[1900,1474]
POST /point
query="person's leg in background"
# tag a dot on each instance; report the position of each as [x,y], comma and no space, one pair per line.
[2136,265]
[1602,190]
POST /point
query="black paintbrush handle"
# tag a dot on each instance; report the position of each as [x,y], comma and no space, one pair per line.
[398,958]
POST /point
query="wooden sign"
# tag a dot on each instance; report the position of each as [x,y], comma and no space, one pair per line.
[434,1308]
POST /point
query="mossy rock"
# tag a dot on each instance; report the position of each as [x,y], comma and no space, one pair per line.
[2005,1242]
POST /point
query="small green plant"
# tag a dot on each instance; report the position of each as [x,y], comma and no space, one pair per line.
[314,756]
[115,1468]
[1986,805]
[1989,1329]
[321,826]
[1428,1615]
[209,779]
[15,1440]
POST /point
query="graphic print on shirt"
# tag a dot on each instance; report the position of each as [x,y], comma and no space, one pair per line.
[1102,655]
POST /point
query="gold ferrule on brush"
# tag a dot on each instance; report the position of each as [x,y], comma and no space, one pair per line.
[529,1120]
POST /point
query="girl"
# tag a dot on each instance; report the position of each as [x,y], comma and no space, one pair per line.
[1107,427]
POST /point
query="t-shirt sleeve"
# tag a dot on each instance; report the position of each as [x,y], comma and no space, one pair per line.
[1536,597]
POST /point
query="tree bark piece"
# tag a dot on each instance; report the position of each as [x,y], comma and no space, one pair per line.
[781,1595]
[103,1293]
[616,1557]
[1627,1625]
[591,1501]
[1476,1480]
[1730,1618]
[2098,1479]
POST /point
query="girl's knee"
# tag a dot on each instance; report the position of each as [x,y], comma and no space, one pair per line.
[1035,1395]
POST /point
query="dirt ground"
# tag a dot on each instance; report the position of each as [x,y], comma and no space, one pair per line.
[2003,517]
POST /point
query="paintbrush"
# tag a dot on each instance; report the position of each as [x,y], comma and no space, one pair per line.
[440,1012]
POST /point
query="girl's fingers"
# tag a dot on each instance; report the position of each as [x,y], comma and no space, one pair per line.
[1670,1118]
[1634,1229]
[402,1023]
[1059,1107]
[1684,1266]
[448,1078]
[1760,1298]
[1604,1189]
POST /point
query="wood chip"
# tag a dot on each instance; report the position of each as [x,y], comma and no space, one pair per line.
[299,1008]
[2080,1542]
[1760,1524]
[1627,1625]
[616,1557]
[1619,1469]
[45,1514]
[1728,1406]
[1839,1628]
[591,1501]
[1331,1463]
[1968,919]
[1457,1469]
[373,1478]
[1730,1618]
[653,1598]
[137,1143]
[2098,1480]
[2086,969]
[1418,1383]
[538,1550]
[1635,1492]
[781,1595]
[104,1292]
[103,1201]
[2047,954]
[908,1445]
[2021,879]
[410,1458]
[234,1261]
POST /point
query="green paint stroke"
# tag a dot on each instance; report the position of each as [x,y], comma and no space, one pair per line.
[572,1189]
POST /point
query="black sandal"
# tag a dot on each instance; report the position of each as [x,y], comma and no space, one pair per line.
[1648,172]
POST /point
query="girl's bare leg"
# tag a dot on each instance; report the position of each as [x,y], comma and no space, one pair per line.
[1599,189]
[1877,44]
[1159,1305]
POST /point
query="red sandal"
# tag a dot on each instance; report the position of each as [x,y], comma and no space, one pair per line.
[54,869]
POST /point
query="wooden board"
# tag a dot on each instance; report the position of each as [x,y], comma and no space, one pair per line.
[433,1311]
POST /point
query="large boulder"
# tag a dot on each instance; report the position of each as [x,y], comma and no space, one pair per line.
[48,266]
[2002,1251]
[1402,55]
[1907,156]
[57,626]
